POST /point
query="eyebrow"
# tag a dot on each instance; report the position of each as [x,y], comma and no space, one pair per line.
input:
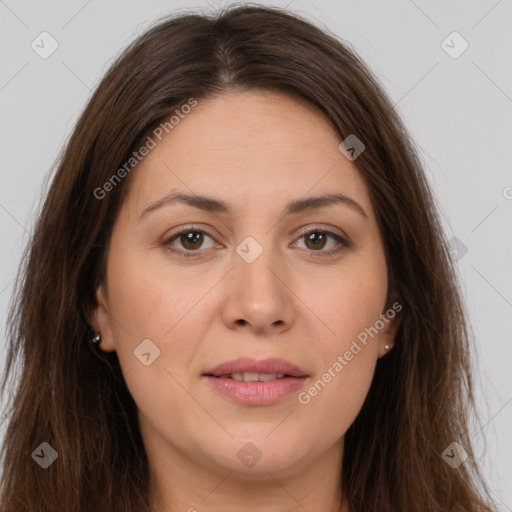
[213,205]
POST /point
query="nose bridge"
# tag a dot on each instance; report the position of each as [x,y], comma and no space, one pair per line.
[258,296]
[255,265]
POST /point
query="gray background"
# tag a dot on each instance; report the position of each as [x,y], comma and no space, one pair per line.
[459,111]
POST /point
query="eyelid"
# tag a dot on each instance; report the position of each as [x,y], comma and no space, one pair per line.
[187,229]
[324,228]
[342,239]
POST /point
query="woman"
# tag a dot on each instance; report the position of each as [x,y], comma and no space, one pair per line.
[238,293]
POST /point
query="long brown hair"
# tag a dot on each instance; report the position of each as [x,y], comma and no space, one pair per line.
[74,398]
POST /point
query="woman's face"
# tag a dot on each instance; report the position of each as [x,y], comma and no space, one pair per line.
[267,277]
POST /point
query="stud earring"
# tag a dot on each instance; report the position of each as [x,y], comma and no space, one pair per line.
[97,340]
[386,347]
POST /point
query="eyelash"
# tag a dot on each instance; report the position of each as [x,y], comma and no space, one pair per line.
[343,243]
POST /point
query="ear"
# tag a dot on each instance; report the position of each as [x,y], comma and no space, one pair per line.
[101,321]
[392,319]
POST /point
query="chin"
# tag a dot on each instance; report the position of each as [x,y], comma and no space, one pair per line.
[256,456]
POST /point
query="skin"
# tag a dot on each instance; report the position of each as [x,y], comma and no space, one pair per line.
[256,151]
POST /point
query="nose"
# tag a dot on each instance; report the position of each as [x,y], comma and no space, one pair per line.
[258,297]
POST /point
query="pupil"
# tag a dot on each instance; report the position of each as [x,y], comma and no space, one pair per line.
[192,238]
[315,237]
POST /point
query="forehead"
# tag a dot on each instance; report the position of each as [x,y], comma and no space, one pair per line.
[245,146]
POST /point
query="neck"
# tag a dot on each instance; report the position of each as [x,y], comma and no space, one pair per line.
[178,483]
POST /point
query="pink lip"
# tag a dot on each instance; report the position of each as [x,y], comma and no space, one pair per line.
[249,365]
[256,393]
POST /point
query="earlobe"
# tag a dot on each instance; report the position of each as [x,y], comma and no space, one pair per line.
[388,335]
[100,321]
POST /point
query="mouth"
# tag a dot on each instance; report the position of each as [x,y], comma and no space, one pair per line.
[256,383]
[251,377]
[247,368]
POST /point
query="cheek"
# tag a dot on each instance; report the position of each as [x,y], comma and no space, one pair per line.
[149,297]
[148,304]
[335,397]
[349,392]
[347,304]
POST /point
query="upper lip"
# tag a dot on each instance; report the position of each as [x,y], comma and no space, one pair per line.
[249,365]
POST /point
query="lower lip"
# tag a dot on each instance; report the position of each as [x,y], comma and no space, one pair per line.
[257,393]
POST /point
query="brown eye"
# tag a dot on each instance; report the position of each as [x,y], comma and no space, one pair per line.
[316,240]
[191,240]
